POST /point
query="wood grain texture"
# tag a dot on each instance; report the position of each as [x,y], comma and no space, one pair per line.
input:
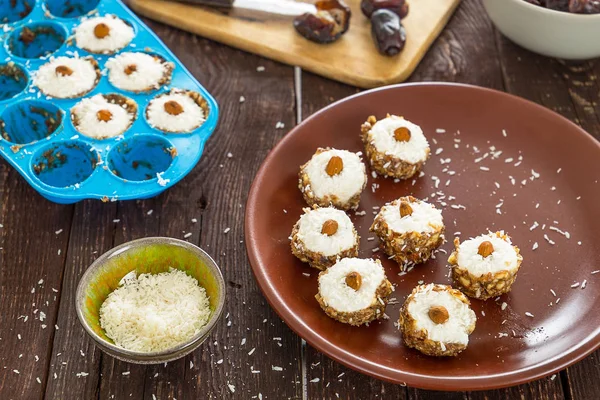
[469,51]
[353,59]
[33,242]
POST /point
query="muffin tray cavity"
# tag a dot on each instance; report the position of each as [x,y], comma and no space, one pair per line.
[105,147]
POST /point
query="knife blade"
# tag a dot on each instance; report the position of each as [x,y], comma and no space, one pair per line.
[279,7]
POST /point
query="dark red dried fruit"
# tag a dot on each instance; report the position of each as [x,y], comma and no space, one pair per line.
[558,5]
[584,6]
[388,32]
[330,22]
[399,7]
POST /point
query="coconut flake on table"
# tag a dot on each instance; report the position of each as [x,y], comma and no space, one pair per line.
[155,312]
[88,123]
[504,256]
[55,80]
[190,118]
[138,72]
[382,137]
[105,34]
[309,231]
[344,185]
[338,295]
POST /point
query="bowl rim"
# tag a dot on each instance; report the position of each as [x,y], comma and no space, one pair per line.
[549,11]
[182,348]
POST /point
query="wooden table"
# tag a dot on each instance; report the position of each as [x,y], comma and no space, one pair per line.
[45,247]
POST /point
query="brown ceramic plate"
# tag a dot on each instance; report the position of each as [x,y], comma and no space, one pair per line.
[567,190]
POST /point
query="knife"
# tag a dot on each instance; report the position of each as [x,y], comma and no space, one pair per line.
[280,7]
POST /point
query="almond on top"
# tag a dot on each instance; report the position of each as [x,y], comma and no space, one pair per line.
[333,178]
[394,146]
[485,266]
[322,236]
[437,320]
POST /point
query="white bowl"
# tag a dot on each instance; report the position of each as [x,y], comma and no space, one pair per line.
[544,31]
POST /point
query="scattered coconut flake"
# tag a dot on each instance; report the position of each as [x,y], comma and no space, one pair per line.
[529,314]
[595,272]
[553,292]
[242,99]
[314,380]
[535,225]
[504,305]
[548,239]
[260,68]
[275,368]
[535,246]
[226,231]
[251,351]
[231,387]
[583,283]
[576,284]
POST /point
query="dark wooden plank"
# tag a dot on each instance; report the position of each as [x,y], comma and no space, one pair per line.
[215,202]
[543,389]
[75,362]
[465,52]
[33,243]
[581,378]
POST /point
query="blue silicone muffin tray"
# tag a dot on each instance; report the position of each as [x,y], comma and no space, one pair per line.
[38,137]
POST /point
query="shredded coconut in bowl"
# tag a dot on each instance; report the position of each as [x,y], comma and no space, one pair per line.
[98,117]
[176,112]
[105,34]
[66,77]
[152,313]
[138,72]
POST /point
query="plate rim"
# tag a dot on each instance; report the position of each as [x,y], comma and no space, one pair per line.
[487,382]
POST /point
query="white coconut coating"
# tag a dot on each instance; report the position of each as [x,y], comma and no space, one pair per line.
[191,117]
[345,185]
[337,294]
[120,34]
[54,84]
[504,256]
[382,137]
[88,123]
[425,217]
[148,74]
[309,231]
[460,315]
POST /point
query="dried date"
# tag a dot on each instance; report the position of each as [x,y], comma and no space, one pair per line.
[330,22]
[558,5]
[584,6]
[388,32]
[399,7]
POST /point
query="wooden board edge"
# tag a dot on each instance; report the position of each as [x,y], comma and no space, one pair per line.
[144,8]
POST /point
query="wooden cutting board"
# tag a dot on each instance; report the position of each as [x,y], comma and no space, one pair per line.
[353,59]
